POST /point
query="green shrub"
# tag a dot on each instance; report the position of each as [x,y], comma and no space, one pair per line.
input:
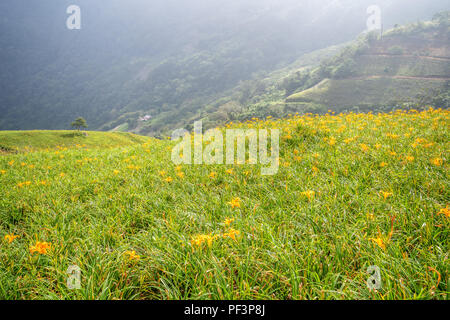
[395,50]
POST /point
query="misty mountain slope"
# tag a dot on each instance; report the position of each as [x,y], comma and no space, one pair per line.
[404,66]
[172,60]
[229,104]
[408,68]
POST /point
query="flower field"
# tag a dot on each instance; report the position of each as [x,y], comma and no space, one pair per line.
[352,191]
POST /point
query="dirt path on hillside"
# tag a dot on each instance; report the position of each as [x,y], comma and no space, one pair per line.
[408,56]
[398,77]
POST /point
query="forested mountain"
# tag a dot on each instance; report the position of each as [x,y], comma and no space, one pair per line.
[173,60]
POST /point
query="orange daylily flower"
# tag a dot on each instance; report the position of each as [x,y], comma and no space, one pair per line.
[40,247]
[235,203]
[11,237]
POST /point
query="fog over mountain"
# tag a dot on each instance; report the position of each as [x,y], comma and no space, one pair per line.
[165,58]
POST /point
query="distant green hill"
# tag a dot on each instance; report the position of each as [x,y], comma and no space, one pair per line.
[22,141]
[406,65]
[368,91]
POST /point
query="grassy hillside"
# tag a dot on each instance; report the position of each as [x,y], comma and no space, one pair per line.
[389,65]
[408,65]
[368,91]
[352,191]
[19,141]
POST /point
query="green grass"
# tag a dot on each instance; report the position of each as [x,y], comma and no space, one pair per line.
[382,91]
[410,66]
[96,205]
[122,128]
[20,141]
